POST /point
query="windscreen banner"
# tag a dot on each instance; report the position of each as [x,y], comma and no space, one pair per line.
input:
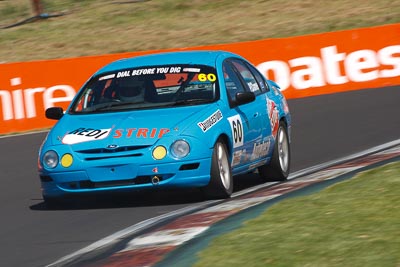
[303,66]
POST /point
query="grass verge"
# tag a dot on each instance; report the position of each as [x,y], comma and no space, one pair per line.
[353,223]
[104,26]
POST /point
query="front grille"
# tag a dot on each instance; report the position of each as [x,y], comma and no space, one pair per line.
[111,150]
[114,156]
[107,153]
[136,181]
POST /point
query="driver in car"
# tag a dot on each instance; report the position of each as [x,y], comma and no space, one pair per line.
[132,92]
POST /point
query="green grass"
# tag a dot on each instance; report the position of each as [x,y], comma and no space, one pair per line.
[353,223]
[103,26]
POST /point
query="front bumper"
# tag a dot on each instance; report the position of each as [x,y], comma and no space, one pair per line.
[125,177]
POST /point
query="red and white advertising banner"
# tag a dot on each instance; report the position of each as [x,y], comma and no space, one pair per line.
[303,66]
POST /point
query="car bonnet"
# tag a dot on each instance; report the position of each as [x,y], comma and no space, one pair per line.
[142,128]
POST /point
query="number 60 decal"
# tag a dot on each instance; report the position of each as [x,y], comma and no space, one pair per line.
[237,130]
[207,77]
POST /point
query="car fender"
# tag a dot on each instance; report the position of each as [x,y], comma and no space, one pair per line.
[209,126]
[279,99]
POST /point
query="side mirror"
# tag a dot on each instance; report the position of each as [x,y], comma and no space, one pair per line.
[245,97]
[54,113]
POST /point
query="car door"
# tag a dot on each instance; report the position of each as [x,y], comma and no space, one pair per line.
[269,114]
[247,120]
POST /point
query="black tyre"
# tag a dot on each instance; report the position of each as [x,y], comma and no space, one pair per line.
[221,182]
[279,166]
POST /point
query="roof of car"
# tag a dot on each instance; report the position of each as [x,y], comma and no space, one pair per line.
[203,57]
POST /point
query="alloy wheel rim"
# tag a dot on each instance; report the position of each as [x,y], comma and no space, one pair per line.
[223,167]
[283,150]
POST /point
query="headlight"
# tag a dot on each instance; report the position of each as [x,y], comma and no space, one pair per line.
[180,149]
[50,159]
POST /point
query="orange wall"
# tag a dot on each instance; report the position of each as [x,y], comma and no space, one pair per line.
[303,66]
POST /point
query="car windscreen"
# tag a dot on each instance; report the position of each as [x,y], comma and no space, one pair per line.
[148,87]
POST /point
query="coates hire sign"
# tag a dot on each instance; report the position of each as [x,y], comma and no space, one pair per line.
[303,66]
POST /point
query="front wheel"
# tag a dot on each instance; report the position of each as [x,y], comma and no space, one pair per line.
[278,168]
[221,182]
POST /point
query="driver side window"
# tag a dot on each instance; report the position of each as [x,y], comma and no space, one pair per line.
[232,82]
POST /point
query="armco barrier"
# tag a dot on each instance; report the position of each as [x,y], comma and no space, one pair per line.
[303,66]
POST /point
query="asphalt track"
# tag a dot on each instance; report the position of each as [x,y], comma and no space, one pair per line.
[324,128]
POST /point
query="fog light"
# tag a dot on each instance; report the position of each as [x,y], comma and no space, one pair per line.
[159,152]
[66,160]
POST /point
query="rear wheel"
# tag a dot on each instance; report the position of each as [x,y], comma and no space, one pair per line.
[221,182]
[279,166]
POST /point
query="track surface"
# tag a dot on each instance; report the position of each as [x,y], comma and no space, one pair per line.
[324,128]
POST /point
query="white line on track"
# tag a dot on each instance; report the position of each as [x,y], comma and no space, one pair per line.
[111,239]
[22,134]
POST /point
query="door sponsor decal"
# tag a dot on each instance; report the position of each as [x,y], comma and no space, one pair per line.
[237,130]
[237,157]
[260,150]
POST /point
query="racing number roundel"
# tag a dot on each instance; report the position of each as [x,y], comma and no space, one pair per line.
[237,130]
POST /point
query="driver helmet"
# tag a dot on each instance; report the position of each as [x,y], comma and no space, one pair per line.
[131,91]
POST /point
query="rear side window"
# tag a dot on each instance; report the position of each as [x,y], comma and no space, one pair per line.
[259,78]
[247,76]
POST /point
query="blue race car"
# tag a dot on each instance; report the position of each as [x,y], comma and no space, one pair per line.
[179,119]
